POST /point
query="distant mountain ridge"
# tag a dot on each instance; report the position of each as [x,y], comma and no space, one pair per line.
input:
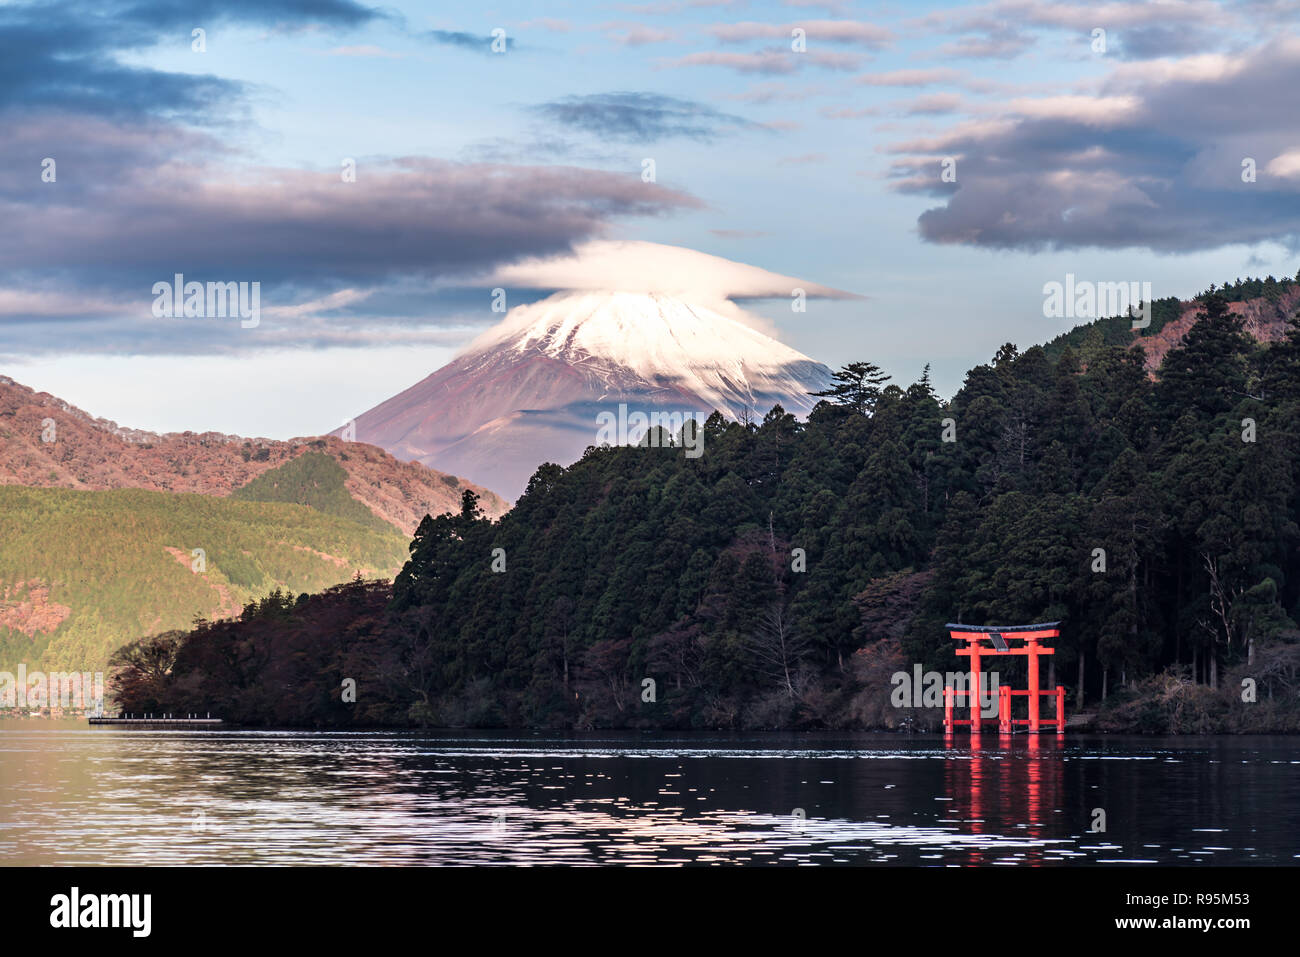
[96,454]
[528,391]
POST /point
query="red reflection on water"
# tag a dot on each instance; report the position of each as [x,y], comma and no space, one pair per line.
[1009,789]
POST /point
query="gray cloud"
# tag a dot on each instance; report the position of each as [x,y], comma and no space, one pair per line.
[996,43]
[1136,29]
[63,55]
[413,214]
[1154,160]
[465,41]
[1164,40]
[641,117]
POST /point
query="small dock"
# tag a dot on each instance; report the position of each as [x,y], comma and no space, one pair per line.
[156,721]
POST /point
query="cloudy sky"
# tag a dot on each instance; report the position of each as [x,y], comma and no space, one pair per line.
[806,140]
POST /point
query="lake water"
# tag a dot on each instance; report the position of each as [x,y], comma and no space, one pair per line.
[71,795]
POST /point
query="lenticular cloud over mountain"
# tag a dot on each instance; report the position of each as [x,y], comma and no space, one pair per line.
[635,266]
[661,335]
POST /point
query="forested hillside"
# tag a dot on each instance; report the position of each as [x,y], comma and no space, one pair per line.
[84,573]
[781,578]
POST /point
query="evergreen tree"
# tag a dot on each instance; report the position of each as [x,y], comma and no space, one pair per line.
[1207,371]
[857,386]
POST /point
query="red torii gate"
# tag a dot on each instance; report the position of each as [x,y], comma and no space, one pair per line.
[1031,635]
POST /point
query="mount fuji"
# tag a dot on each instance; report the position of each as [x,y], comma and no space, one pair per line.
[529,390]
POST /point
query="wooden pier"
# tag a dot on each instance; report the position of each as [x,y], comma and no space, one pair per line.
[157,721]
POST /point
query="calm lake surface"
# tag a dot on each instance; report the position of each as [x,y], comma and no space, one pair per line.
[71,795]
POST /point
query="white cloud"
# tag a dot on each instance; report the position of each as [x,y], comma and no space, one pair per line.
[911,77]
[335,300]
[1089,110]
[1286,166]
[27,302]
[831,31]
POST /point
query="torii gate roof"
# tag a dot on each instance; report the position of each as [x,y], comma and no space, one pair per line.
[1004,629]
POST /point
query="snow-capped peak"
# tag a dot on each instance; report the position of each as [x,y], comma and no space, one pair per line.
[531,389]
[660,340]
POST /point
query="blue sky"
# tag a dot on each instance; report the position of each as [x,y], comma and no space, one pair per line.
[821,163]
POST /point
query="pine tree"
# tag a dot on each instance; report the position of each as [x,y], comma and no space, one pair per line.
[857,386]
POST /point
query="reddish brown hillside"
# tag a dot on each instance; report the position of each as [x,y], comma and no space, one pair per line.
[1264,320]
[90,453]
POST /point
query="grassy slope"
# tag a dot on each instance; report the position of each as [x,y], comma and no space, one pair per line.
[104,555]
[313,479]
